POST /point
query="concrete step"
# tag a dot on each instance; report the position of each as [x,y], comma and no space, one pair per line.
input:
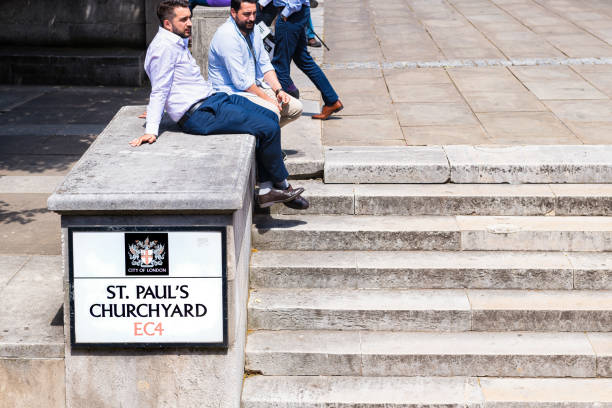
[454,199]
[463,164]
[425,392]
[431,269]
[382,354]
[429,310]
[473,233]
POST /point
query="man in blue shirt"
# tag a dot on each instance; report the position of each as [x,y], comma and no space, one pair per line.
[291,44]
[177,86]
[239,64]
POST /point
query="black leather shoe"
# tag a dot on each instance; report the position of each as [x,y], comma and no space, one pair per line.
[278,196]
[299,203]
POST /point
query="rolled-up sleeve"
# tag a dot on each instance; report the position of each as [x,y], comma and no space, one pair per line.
[291,6]
[160,69]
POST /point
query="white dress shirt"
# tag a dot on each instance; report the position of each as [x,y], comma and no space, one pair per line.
[231,67]
[176,81]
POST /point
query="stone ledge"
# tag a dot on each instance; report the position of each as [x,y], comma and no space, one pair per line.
[179,172]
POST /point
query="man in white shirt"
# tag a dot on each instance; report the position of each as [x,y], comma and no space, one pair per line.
[238,63]
[178,87]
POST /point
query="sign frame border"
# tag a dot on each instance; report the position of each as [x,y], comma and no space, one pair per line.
[150,345]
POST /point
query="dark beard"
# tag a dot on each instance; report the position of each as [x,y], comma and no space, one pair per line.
[243,28]
[182,35]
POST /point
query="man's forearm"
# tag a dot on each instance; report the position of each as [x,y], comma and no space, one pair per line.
[271,79]
[254,89]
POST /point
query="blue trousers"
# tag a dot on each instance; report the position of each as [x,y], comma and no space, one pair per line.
[225,114]
[291,44]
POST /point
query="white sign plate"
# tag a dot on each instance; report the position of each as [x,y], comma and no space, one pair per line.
[148,286]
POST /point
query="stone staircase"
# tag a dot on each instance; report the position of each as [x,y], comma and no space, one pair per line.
[448,295]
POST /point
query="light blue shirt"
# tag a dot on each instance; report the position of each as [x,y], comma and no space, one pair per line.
[231,67]
[291,6]
[176,81]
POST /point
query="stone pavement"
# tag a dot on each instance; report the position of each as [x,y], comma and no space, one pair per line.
[423,72]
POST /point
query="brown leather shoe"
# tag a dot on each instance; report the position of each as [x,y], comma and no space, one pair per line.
[299,203]
[328,110]
[278,196]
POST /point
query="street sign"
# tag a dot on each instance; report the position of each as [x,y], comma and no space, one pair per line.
[148,286]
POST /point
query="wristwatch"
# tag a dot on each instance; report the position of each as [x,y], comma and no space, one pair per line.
[278,91]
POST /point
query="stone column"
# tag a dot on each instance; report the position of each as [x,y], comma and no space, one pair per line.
[206,20]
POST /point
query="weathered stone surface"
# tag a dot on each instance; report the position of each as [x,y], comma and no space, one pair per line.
[592,270]
[29,184]
[206,21]
[32,383]
[174,166]
[581,199]
[310,232]
[453,199]
[9,266]
[303,353]
[311,392]
[479,354]
[343,309]
[546,392]
[602,345]
[530,164]
[536,233]
[499,310]
[386,165]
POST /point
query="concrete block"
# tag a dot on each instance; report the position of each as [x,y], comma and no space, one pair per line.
[592,270]
[477,354]
[303,353]
[546,392]
[344,309]
[602,345]
[453,199]
[499,310]
[386,165]
[102,182]
[311,232]
[530,164]
[536,233]
[32,383]
[310,392]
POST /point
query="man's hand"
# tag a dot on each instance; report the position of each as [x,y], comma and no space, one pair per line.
[148,138]
[282,97]
[143,115]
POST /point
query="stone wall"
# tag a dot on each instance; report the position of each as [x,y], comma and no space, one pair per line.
[74,23]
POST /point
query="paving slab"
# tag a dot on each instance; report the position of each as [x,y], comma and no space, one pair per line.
[32,382]
[546,392]
[440,114]
[447,135]
[530,164]
[359,309]
[9,266]
[27,226]
[363,130]
[307,391]
[29,184]
[386,165]
[527,128]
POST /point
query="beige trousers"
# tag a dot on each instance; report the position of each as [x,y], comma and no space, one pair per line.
[291,111]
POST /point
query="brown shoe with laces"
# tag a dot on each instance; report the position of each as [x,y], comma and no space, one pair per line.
[327,111]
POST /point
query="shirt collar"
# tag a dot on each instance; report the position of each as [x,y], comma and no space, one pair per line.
[169,35]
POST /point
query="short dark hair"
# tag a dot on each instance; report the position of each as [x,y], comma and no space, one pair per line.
[165,9]
[236,4]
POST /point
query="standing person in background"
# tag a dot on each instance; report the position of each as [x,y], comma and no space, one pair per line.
[291,44]
[310,33]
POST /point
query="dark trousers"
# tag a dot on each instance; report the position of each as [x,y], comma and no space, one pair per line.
[225,114]
[291,44]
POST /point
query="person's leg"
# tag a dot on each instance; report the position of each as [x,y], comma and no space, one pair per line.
[263,103]
[286,36]
[306,64]
[290,111]
[310,35]
[226,114]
